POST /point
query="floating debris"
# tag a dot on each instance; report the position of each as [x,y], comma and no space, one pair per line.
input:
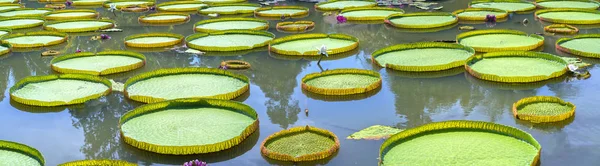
[375,132]
[111,30]
[51,53]
[194,51]
[117,86]
[466,28]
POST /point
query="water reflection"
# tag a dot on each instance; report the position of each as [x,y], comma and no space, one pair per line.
[99,121]
[278,87]
[416,104]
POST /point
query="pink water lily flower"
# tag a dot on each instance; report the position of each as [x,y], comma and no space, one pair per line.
[341,19]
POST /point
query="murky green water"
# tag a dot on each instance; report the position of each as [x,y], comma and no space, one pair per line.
[90,131]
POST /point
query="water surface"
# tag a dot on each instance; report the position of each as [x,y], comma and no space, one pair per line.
[90,130]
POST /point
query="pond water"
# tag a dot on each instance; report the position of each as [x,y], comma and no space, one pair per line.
[90,130]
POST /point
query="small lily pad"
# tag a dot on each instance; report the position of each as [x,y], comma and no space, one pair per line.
[375,132]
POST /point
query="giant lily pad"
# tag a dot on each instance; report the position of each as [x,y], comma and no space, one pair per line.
[56,90]
[229,40]
[8,1]
[300,144]
[98,163]
[101,63]
[222,1]
[369,13]
[561,28]
[460,143]
[375,132]
[516,66]
[79,25]
[34,39]
[307,44]
[166,84]
[278,11]
[164,18]
[88,2]
[298,26]
[569,16]
[421,20]
[4,49]
[341,82]
[153,40]
[4,7]
[543,109]
[12,153]
[165,127]
[574,4]
[180,6]
[344,4]
[213,25]
[126,3]
[234,8]
[479,14]
[425,56]
[499,40]
[71,14]
[508,5]
[21,22]
[582,45]
[20,12]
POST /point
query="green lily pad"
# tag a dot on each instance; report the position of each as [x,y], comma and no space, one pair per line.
[307,44]
[230,9]
[344,4]
[34,39]
[12,153]
[124,3]
[23,12]
[180,6]
[341,82]
[164,18]
[369,13]
[540,109]
[98,163]
[575,4]
[20,23]
[278,11]
[166,84]
[460,143]
[508,5]
[422,20]
[56,90]
[229,40]
[165,127]
[500,40]
[71,14]
[88,2]
[375,132]
[101,63]
[424,56]
[300,144]
[83,25]
[517,66]
[4,7]
[222,1]
[230,24]
[582,45]
[569,16]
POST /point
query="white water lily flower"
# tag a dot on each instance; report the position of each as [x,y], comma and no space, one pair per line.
[323,50]
[572,67]
[113,7]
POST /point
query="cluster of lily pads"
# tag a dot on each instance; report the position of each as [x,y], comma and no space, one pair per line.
[176,96]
